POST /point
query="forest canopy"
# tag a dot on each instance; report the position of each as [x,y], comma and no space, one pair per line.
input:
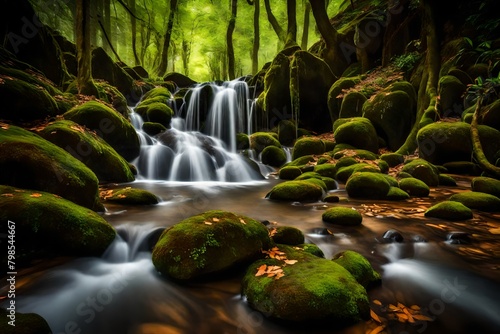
[137,30]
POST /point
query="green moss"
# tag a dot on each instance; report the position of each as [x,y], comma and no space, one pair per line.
[392,159]
[352,105]
[330,183]
[242,141]
[383,166]
[289,172]
[287,235]
[29,161]
[312,289]
[300,191]
[312,249]
[397,194]
[132,196]
[334,102]
[477,200]
[358,132]
[449,210]
[273,156]
[260,140]
[486,185]
[450,91]
[287,132]
[109,125]
[326,169]
[359,267]
[367,185]
[357,154]
[447,180]
[307,146]
[345,161]
[344,173]
[414,187]
[342,216]
[157,112]
[52,225]
[208,243]
[301,161]
[153,128]
[423,170]
[319,182]
[90,149]
[157,92]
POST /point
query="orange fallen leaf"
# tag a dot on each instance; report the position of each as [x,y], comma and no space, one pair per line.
[36,195]
[377,330]
[279,275]
[377,302]
[8,195]
[261,271]
[291,261]
[242,221]
[421,317]
[375,316]
[216,220]
[56,196]
[122,196]
[208,223]
[415,307]
[272,232]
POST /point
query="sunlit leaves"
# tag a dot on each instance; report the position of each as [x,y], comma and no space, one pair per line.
[274,271]
[393,313]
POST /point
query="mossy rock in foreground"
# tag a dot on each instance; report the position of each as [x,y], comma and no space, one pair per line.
[289,172]
[130,196]
[311,289]
[477,200]
[486,185]
[367,185]
[311,249]
[359,267]
[414,187]
[208,243]
[28,161]
[52,225]
[287,235]
[260,140]
[342,216]
[273,156]
[397,194]
[449,210]
[25,323]
[301,191]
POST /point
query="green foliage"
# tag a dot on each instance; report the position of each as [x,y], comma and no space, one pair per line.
[406,62]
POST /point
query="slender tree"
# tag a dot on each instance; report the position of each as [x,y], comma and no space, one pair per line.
[274,22]
[305,30]
[106,22]
[256,35]
[291,34]
[166,41]
[83,50]
[229,40]
[133,24]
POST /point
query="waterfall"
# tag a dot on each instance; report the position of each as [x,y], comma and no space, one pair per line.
[201,146]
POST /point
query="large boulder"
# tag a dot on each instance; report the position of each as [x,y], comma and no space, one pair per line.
[301,287]
[423,170]
[28,161]
[352,105]
[335,95]
[367,185]
[342,216]
[300,191]
[486,185]
[359,267]
[392,114]
[443,142]
[449,210]
[51,225]
[358,132]
[477,200]
[90,149]
[273,156]
[450,90]
[115,129]
[307,146]
[310,81]
[208,243]
[260,140]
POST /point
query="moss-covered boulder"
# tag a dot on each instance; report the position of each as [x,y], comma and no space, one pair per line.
[352,105]
[450,90]
[359,267]
[289,172]
[310,81]
[449,210]
[344,173]
[51,225]
[90,149]
[311,249]
[442,142]
[414,187]
[109,125]
[355,153]
[260,140]
[300,191]
[342,216]
[317,181]
[157,112]
[447,180]
[307,146]
[392,159]
[310,289]
[23,101]
[25,323]
[129,196]
[462,168]
[273,156]
[393,115]
[367,185]
[397,194]
[287,132]
[153,128]
[287,235]
[477,200]
[208,243]
[422,170]
[242,141]
[486,185]
[335,96]
[31,162]
[358,132]
[299,162]
[179,79]
[326,170]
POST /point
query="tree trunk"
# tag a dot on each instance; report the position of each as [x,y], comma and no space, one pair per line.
[256,37]
[84,57]
[93,23]
[229,40]
[305,31]
[166,42]
[332,55]
[274,23]
[291,33]
[133,23]
[106,21]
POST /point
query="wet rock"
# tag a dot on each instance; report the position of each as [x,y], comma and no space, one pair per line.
[179,79]
[414,187]
[289,172]
[300,191]
[477,200]
[449,210]
[208,243]
[307,146]
[342,216]
[358,132]
[130,196]
[397,194]
[459,238]
[344,173]
[367,185]
[447,181]
[273,156]
[352,105]
[64,228]
[486,185]
[359,267]
[326,170]
[392,236]
[321,231]
[418,238]
[287,132]
[153,128]
[287,235]
[422,170]
[309,290]
[331,199]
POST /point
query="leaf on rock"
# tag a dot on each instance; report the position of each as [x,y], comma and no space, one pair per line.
[207,223]
[122,196]
[421,317]
[215,220]
[272,232]
[375,316]
[377,302]
[56,196]
[242,221]
[4,126]
[377,330]
[291,261]
[8,195]
[261,271]
[36,195]
[494,230]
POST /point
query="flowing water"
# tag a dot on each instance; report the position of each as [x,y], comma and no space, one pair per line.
[457,285]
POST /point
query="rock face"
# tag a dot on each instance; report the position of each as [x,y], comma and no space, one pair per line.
[52,225]
[208,243]
[443,142]
[28,161]
[109,125]
[90,149]
[310,289]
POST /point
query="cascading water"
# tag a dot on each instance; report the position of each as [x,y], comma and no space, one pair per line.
[184,153]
